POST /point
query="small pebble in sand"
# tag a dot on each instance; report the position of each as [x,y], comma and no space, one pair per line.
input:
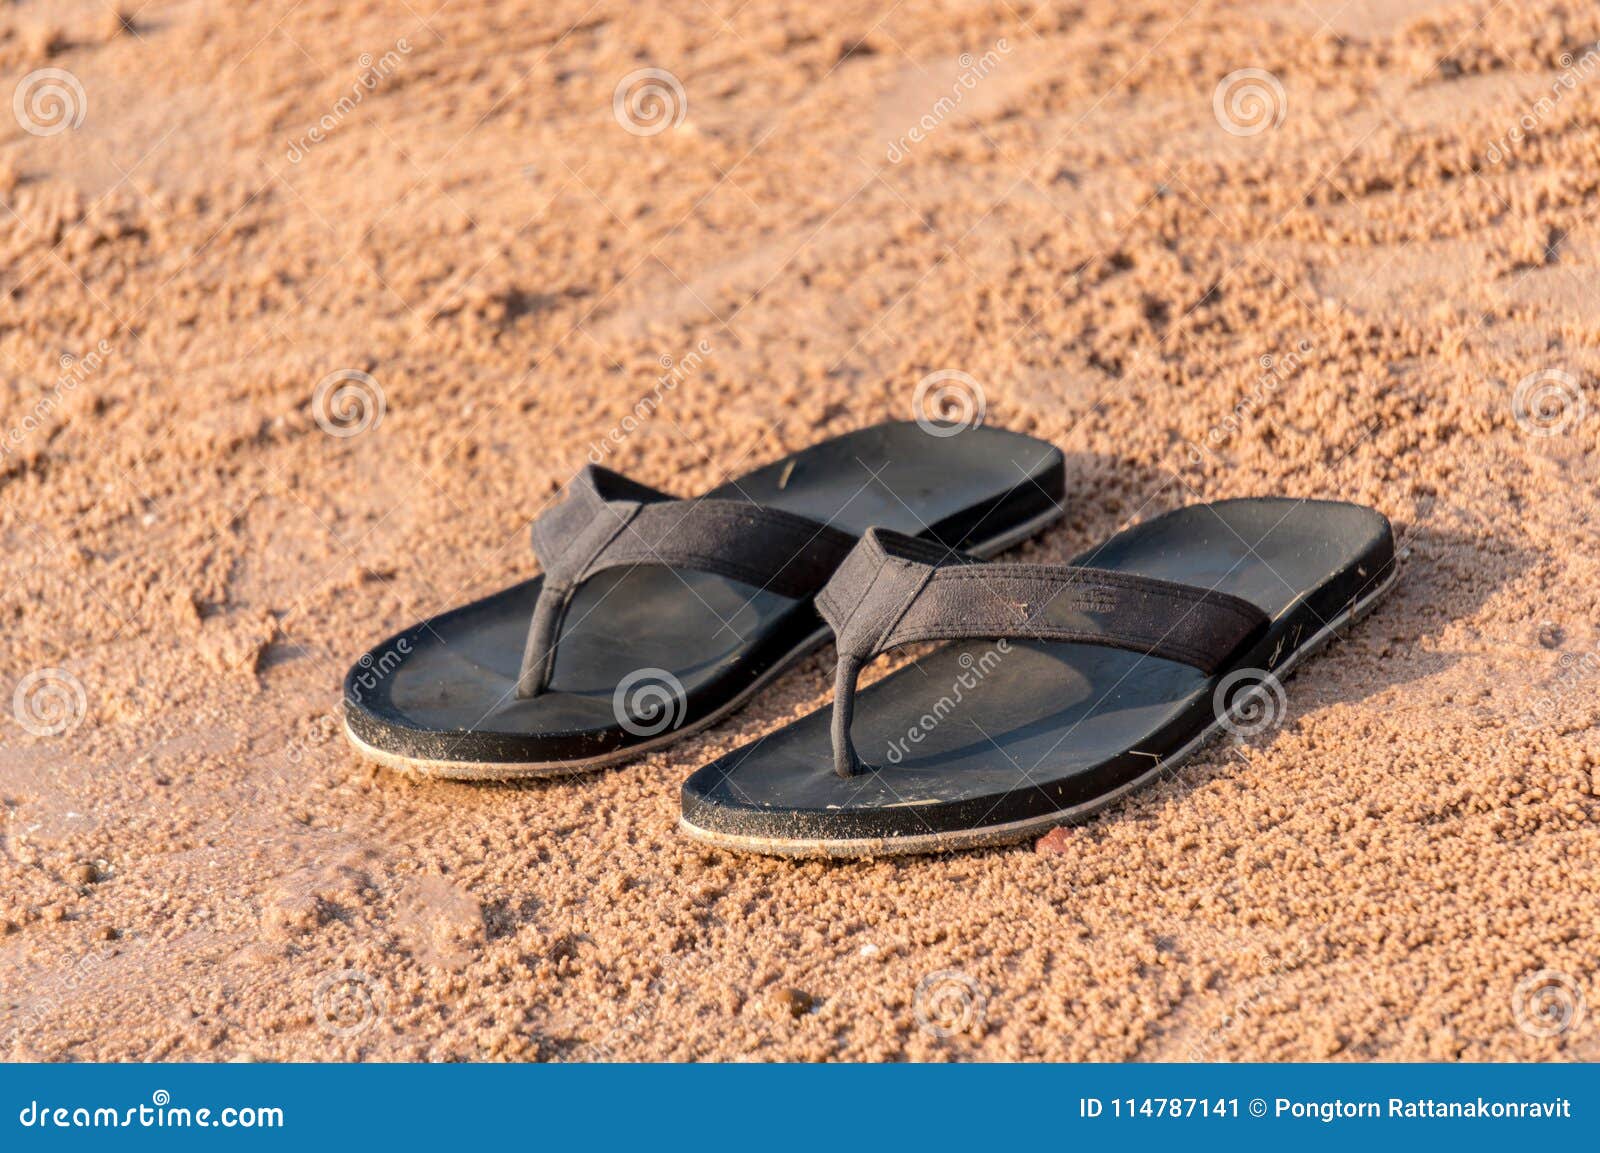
[792,1002]
[1551,635]
[1056,842]
[869,950]
[85,873]
[107,933]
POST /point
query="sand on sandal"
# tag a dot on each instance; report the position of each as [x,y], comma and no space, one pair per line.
[308,309]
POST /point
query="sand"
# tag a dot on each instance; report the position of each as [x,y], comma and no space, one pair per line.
[1378,285]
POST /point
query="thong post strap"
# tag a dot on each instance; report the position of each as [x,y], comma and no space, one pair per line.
[609,521]
[894,590]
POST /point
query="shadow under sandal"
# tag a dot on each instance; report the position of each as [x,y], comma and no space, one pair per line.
[1072,684]
[655,617]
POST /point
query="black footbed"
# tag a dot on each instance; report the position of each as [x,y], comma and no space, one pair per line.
[444,690]
[1048,727]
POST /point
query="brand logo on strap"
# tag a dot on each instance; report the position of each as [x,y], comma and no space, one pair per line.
[1087,599]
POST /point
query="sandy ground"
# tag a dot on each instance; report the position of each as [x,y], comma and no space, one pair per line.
[1375,282]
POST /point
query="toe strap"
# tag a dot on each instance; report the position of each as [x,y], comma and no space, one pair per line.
[609,521]
[894,590]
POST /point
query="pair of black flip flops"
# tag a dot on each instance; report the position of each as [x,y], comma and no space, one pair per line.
[1066,686]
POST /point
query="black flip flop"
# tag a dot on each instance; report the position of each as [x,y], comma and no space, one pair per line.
[656,617]
[1073,684]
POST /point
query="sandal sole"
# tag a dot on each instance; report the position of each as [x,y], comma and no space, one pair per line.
[1013,832]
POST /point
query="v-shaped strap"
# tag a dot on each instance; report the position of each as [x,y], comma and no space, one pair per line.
[608,521]
[896,590]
